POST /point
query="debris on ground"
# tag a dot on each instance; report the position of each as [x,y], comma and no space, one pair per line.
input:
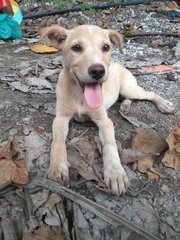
[33,207]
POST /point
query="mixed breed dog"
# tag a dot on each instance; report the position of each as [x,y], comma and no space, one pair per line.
[89,84]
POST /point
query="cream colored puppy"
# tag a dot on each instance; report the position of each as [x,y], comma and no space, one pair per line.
[89,84]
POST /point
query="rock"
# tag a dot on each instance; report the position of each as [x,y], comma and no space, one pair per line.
[32,85]
[27,120]
[35,146]
[13,131]
[130,173]
[142,214]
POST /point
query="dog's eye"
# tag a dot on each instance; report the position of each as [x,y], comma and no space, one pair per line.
[106,48]
[76,48]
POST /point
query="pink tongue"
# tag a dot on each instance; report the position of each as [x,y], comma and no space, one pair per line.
[93,95]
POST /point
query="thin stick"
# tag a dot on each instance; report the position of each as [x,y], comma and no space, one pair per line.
[137,34]
[86,7]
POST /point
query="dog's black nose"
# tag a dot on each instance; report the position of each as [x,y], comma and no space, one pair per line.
[96,71]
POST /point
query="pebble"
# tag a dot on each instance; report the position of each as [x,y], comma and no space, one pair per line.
[13,131]
[27,119]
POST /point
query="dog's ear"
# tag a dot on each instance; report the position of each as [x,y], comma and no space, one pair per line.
[116,37]
[55,35]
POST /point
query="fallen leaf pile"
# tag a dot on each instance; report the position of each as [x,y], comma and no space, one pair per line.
[12,165]
[149,141]
[172,155]
[147,145]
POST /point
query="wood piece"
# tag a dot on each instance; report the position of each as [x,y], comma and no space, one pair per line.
[8,229]
[80,224]
[32,220]
[97,209]
[64,220]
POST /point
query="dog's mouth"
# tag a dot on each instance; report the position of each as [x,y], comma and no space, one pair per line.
[92,93]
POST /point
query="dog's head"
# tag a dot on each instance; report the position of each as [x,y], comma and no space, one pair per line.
[86,51]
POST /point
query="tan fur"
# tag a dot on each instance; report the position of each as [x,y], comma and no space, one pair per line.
[70,99]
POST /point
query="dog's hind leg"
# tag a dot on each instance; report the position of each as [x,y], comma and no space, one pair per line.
[136,92]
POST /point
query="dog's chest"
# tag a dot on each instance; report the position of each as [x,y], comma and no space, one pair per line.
[81,114]
[81,108]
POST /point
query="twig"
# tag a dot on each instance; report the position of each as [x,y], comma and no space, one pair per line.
[32,221]
[64,220]
[87,7]
[82,134]
[97,173]
[29,203]
[97,209]
[137,34]
[135,122]
[7,189]
[144,187]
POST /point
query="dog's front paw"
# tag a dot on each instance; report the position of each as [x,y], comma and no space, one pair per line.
[116,178]
[165,106]
[59,173]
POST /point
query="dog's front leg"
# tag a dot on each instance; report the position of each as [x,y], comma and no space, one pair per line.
[114,174]
[58,169]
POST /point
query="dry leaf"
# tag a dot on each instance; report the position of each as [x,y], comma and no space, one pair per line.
[169,8]
[147,141]
[81,155]
[42,48]
[97,143]
[11,150]
[177,20]
[156,69]
[85,170]
[130,155]
[128,27]
[172,155]
[154,173]
[52,200]
[83,151]
[12,165]
[6,169]
[43,233]
[5,151]
[20,174]
[88,147]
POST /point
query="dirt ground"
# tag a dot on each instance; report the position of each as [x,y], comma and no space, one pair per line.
[27,108]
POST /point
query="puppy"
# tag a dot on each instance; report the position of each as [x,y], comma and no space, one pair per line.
[89,84]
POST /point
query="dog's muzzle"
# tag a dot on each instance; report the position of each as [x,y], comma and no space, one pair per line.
[96,71]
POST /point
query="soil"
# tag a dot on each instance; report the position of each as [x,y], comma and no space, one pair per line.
[27,112]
